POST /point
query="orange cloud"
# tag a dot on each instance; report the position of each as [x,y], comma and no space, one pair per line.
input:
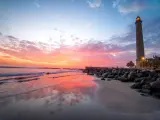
[25,53]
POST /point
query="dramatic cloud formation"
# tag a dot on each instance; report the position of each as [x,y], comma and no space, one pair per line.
[95,53]
[20,52]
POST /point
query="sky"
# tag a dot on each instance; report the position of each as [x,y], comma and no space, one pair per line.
[76,33]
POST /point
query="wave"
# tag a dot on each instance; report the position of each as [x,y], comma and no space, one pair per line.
[19,74]
[19,79]
[25,77]
[35,73]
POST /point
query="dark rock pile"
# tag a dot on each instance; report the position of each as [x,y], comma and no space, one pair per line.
[144,81]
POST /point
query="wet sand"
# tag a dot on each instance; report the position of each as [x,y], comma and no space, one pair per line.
[76,96]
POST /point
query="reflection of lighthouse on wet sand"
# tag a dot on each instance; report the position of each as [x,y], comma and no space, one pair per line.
[139,42]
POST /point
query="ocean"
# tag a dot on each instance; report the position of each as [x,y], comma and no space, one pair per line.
[27,71]
[14,74]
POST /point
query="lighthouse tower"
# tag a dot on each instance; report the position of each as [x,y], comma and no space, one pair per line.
[139,42]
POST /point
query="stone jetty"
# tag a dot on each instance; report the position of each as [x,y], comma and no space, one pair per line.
[145,81]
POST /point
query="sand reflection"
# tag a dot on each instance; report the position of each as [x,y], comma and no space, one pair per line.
[49,94]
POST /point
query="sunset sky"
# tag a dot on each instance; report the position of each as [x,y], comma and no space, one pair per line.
[75,33]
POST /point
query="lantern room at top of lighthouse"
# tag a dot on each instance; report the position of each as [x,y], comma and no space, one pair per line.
[138,18]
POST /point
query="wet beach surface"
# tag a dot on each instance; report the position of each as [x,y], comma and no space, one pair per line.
[76,96]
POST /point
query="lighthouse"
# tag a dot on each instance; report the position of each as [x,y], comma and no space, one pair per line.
[139,42]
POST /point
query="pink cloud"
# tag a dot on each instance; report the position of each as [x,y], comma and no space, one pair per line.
[23,52]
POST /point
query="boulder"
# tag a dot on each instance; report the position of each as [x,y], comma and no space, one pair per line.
[136,86]
[140,79]
[145,73]
[124,80]
[155,88]
[139,75]
[105,75]
[110,76]
[155,84]
[124,77]
[158,79]
[114,71]
[148,78]
[146,88]
[102,78]
[90,73]
[153,79]
[131,76]
[116,77]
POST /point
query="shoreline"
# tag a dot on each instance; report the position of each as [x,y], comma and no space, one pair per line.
[147,82]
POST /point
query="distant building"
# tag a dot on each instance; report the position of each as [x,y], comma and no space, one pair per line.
[151,62]
[139,42]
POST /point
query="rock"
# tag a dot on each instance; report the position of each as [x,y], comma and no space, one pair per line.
[145,81]
[137,80]
[144,94]
[140,79]
[156,94]
[105,75]
[153,74]
[124,80]
[155,88]
[145,73]
[100,74]
[146,88]
[131,76]
[139,75]
[116,77]
[110,76]
[114,71]
[148,78]
[136,86]
[158,79]
[155,84]
[120,74]
[90,73]
[124,77]
[102,78]
[153,79]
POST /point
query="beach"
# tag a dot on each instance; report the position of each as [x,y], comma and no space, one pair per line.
[62,95]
